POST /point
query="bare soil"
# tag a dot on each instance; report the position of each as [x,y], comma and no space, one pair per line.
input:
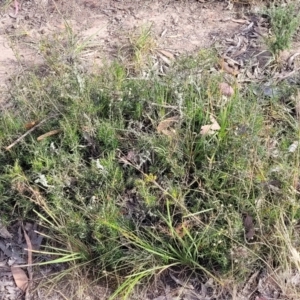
[181,27]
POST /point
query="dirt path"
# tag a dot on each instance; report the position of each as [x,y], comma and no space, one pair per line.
[179,27]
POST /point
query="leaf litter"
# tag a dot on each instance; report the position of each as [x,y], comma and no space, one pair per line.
[164,127]
[20,277]
[4,232]
[212,128]
[16,252]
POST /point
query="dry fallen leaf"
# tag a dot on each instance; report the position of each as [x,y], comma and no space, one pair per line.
[25,134]
[165,59]
[29,254]
[166,53]
[163,126]
[240,21]
[291,60]
[45,135]
[240,51]
[29,125]
[248,288]
[20,277]
[228,68]
[210,129]
[4,232]
[226,89]
[181,229]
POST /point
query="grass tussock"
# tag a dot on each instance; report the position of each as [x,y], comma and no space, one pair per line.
[129,183]
[284,21]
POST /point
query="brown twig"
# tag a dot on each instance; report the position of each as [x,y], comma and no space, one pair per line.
[25,134]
